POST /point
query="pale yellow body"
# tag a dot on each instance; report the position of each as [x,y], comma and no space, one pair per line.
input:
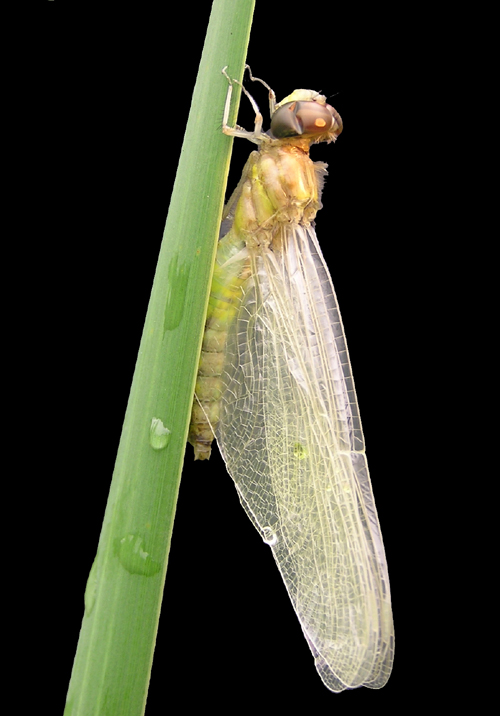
[280,186]
[275,385]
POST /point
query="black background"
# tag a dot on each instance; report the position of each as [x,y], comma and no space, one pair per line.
[121,109]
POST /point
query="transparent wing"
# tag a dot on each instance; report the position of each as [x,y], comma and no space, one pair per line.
[291,437]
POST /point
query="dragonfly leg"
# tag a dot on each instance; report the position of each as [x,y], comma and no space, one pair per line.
[272,96]
[237,131]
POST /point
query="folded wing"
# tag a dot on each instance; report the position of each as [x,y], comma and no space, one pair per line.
[291,437]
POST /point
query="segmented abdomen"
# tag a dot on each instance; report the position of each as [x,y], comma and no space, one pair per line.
[222,307]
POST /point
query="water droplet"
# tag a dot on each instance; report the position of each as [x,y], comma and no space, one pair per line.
[134,556]
[269,536]
[178,277]
[91,588]
[159,435]
[300,451]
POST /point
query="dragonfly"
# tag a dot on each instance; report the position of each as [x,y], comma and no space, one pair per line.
[275,388]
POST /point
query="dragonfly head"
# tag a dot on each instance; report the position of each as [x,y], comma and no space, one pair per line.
[306,114]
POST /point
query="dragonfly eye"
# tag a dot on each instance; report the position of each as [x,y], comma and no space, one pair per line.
[305,118]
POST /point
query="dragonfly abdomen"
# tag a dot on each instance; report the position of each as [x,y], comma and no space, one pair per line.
[231,270]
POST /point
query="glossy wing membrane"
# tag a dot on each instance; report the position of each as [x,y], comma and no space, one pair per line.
[291,437]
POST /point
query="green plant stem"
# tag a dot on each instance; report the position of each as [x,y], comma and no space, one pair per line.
[122,601]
